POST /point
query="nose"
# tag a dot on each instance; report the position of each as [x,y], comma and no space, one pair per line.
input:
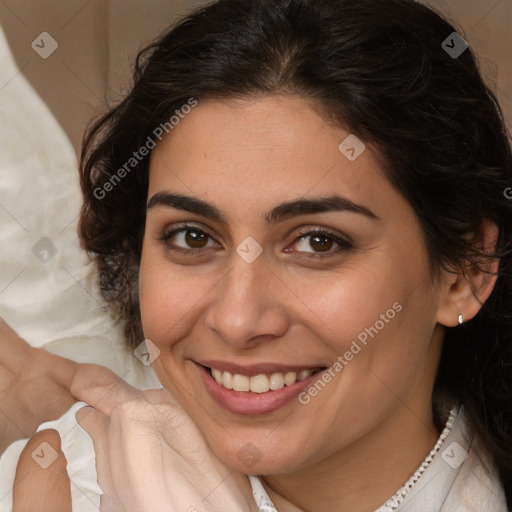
[249,305]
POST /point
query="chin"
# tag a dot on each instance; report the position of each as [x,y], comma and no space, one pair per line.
[251,460]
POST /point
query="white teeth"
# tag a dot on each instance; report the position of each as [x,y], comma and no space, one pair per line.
[227,380]
[240,382]
[290,378]
[276,381]
[259,383]
[217,375]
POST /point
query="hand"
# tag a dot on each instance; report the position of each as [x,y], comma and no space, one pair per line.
[150,455]
[34,386]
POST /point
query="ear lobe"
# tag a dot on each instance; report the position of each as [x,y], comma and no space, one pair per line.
[467,289]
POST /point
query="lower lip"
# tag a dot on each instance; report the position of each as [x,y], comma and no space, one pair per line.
[249,403]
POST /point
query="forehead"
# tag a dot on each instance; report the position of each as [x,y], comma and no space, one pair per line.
[263,150]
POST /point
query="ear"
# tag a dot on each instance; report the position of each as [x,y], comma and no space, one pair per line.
[466,289]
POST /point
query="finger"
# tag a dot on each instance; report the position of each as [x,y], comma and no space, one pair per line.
[97,425]
[101,388]
[60,368]
[14,349]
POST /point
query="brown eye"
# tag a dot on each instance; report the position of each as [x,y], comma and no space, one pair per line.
[187,239]
[318,242]
[321,242]
[195,238]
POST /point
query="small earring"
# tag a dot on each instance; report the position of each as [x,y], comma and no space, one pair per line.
[460,319]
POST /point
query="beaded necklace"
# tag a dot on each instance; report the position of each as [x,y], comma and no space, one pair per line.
[400,495]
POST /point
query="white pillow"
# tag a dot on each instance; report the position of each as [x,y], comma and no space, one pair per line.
[48,286]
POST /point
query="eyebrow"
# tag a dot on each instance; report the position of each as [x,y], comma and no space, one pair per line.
[281,212]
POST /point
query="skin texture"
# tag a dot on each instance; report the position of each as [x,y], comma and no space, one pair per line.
[245,157]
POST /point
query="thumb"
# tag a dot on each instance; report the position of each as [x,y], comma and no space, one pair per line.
[101,388]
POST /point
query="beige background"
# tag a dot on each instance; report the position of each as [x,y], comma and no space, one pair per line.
[98,40]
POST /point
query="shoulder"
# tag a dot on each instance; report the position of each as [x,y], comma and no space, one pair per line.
[41,481]
[59,457]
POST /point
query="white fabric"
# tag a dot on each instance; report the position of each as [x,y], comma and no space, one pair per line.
[261,497]
[459,479]
[54,304]
[39,197]
[455,481]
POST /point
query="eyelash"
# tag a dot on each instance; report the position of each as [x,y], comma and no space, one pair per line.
[343,244]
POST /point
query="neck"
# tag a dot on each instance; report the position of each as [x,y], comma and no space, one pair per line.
[362,476]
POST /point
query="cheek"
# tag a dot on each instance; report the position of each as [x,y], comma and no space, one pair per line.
[387,352]
[346,306]
[166,298]
[379,318]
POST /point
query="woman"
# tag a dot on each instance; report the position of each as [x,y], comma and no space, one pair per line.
[300,206]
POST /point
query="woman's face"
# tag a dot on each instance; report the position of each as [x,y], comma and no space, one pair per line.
[241,272]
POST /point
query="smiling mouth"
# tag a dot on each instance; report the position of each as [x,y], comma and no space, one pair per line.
[261,383]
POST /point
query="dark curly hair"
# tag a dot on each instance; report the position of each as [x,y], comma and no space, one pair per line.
[376,67]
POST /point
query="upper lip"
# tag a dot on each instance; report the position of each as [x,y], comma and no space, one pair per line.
[256,369]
